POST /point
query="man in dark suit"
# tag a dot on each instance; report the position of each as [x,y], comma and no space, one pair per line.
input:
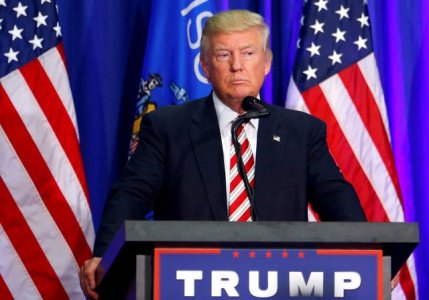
[180,169]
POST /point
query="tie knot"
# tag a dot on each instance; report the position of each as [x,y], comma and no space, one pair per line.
[241,127]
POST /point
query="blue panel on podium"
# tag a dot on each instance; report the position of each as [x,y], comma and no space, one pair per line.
[202,273]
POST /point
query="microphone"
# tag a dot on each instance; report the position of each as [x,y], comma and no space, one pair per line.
[254,108]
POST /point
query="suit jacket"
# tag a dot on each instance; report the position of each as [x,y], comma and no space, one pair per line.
[178,171]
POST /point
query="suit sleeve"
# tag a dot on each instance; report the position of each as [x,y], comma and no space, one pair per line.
[331,196]
[133,196]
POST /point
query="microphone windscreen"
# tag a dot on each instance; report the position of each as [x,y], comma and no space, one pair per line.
[249,102]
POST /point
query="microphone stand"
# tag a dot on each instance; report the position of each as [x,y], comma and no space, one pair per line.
[240,165]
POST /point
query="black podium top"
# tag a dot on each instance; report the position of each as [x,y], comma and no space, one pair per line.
[397,240]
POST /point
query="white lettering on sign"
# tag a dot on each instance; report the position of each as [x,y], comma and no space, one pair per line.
[314,285]
[199,24]
[199,29]
[255,288]
[224,280]
[346,281]
[191,6]
[189,278]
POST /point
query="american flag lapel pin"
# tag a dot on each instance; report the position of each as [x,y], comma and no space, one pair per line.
[276,138]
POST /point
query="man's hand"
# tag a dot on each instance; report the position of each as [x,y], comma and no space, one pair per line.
[89,277]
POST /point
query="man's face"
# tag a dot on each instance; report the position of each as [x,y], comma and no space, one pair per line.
[236,65]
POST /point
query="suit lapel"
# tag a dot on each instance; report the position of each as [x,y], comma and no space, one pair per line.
[207,146]
[270,153]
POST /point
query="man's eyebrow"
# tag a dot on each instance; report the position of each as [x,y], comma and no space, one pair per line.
[247,46]
[224,48]
[221,49]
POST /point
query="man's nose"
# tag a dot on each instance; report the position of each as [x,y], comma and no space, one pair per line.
[236,63]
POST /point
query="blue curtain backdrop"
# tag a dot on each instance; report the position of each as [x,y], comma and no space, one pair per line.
[106,43]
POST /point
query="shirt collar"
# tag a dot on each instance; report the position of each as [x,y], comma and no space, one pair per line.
[225,115]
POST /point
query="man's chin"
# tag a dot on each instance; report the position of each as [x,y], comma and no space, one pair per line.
[237,95]
[241,93]
[241,96]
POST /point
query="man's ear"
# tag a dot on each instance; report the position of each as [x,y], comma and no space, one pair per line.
[268,60]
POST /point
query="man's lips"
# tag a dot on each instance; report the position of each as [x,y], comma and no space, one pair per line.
[238,81]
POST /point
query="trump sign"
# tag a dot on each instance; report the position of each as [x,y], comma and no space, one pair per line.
[267,274]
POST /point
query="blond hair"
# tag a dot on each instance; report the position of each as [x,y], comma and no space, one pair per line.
[233,21]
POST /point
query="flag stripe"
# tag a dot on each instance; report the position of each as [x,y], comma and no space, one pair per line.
[13,271]
[54,66]
[38,170]
[54,75]
[340,148]
[407,283]
[294,98]
[61,52]
[29,251]
[412,271]
[362,145]
[48,144]
[366,106]
[33,209]
[339,82]
[63,131]
[369,70]
[344,155]
[4,290]
[47,214]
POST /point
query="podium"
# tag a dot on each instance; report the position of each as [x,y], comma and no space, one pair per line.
[128,262]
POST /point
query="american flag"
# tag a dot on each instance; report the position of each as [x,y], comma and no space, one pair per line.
[46,229]
[336,79]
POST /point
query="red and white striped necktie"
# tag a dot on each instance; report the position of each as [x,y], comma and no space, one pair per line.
[239,204]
